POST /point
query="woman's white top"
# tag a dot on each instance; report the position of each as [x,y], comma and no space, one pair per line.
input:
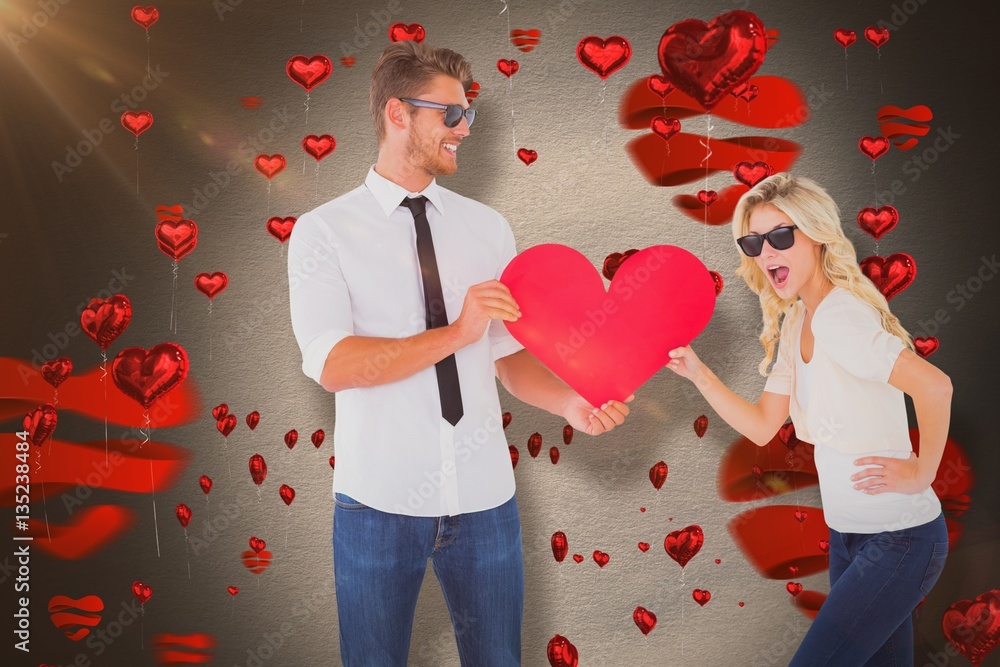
[841,403]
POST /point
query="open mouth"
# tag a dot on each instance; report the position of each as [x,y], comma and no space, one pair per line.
[450,149]
[778,274]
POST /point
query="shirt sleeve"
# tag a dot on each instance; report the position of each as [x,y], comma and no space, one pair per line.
[501,342]
[779,381]
[318,296]
[850,332]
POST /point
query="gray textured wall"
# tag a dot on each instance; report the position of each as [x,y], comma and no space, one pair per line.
[63,238]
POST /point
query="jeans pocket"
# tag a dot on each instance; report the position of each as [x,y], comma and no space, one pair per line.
[938,557]
[887,549]
[344,501]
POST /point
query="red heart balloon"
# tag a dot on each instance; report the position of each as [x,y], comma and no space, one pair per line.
[873,147]
[514,456]
[40,423]
[309,72]
[561,652]
[226,425]
[333,462]
[319,146]
[752,173]
[348,61]
[145,16]
[318,436]
[706,61]
[534,444]
[701,425]
[258,469]
[845,37]
[644,546]
[253,419]
[578,558]
[891,274]
[604,57]
[973,626]
[606,343]
[660,85]
[717,279]
[287,493]
[926,346]
[877,35]
[281,228]
[707,197]
[145,375]
[211,284]
[206,483]
[137,122]
[601,558]
[878,221]
[233,590]
[141,591]
[103,320]
[508,67]
[56,371]
[473,92]
[257,544]
[291,438]
[793,587]
[700,596]
[183,514]
[176,237]
[269,165]
[645,619]
[665,127]
[560,546]
[682,545]
[658,474]
[220,411]
[401,31]
[614,260]
[526,155]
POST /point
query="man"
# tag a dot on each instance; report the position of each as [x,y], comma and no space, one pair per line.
[376,277]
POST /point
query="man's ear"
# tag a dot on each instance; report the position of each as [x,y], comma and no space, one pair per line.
[395,113]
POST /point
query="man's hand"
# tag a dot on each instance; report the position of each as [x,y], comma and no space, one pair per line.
[583,416]
[484,302]
[898,475]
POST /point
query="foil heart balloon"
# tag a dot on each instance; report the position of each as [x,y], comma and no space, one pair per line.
[604,57]
[56,371]
[287,494]
[104,319]
[561,652]
[258,469]
[606,343]
[308,72]
[644,619]
[176,237]
[183,514]
[658,474]
[141,591]
[145,375]
[205,482]
[559,545]
[682,545]
[973,626]
[40,423]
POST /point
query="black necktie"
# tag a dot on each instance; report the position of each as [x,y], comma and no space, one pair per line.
[447,370]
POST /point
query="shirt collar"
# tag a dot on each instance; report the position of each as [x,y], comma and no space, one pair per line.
[389,194]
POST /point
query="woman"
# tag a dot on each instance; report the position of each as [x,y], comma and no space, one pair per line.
[842,366]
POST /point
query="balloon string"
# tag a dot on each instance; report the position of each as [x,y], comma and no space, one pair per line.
[847,83]
[269,197]
[55,402]
[316,179]
[301,12]
[147,52]
[708,154]
[173,301]
[604,85]
[306,105]
[879,51]
[104,377]
[38,468]
[510,79]
[186,557]
[225,446]
[211,338]
[288,518]
[137,164]
[142,608]
[152,483]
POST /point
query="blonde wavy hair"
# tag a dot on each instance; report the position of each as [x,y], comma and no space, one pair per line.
[818,217]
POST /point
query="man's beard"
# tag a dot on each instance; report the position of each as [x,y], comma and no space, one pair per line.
[420,156]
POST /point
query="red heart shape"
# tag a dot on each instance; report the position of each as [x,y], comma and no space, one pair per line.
[401,31]
[525,40]
[257,544]
[559,545]
[291,438]
[793,587]
[183,513]
[348,61]
[253,419]
[877,35]
[226,425]
[973,626]
[319,146]
[269,165]
[700,596]
[220,411]
[601,558]
[644,546]
[718,282]
[280,228]
[801,515]
[308,72]
[660,85]
[472,93]
[561,652]
[891,274]
[514,456]
[606,343]
[578,558]
[878,221]
[706,61]
[845,37]
[682,545]
[700,425]
[141,591]
[614,260]
[176,237]
[534,444]
[926,346]
[333,461]
[752,173]
[645,619]
[104,320]
[873,147]
[233,590]
[658,474]
[56,371]
[287,493]
[205,482]
[526,155]
[211,284]
[145,16]
[665,127]
[137,122]
[317,437]
[145,375]
[707,197]
[748,92]
[604,57]
[508,67]
[40,423]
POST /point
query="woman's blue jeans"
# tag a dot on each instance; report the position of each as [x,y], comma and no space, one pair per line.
[379,563]
[876,581]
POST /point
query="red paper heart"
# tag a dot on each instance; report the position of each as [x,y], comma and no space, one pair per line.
[319,146]
[682,545]
[56,371]
[845,37]
[309,72]
[926,346]
[644,619]
[145,16]
[604,57]
[137,122]
[877,35]
[508,67]
[601,558]
[891,274]
[176,237]
[873,147]
[401,31]
[280,228]
[606,343]
[706,61]
[701,596]
[752,173]
[211,284]
[878,221]
[526,155]
[665,127]
[269,165]
[146,375]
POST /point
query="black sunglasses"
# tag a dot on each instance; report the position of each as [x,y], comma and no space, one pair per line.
[453,113]
[780,238]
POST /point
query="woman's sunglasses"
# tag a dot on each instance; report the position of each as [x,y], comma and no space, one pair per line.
[453,113]
[780,238]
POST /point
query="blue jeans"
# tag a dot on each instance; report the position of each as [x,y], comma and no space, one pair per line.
[876,580]
[379,563]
